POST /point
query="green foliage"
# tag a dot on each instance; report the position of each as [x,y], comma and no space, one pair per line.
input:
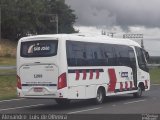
[7,61]
[7,87]
[23,17]
[7,48]
[155,75]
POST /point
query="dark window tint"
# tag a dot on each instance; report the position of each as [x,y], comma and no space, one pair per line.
[109,55]
[122,55]
[141,59]
[97,54]
[43,48]
[76,54]
[132,58]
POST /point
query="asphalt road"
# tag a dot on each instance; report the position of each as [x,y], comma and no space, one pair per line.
[124,104]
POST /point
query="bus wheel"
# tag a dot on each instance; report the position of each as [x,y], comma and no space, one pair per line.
[100,96]
[62,101]
[138,94]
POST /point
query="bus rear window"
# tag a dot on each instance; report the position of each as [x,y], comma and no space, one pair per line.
[41,48]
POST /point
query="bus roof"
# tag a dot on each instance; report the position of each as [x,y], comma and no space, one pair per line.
[84,38]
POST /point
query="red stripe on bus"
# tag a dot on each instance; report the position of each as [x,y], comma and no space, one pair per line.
[146,83]
[112,80]
[126,85]
[77,74]
[91,74]
[84,74]
[97,74]
[121,86]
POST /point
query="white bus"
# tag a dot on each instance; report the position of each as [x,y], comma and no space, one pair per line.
[68,66]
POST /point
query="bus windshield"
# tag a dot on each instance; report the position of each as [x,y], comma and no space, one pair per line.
[40,48]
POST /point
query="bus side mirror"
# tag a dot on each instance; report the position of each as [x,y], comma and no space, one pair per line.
[147,55]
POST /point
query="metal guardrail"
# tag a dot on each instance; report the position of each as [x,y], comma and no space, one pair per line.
[153,65]
[7,68]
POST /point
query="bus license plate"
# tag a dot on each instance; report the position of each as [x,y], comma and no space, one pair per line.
[38,89]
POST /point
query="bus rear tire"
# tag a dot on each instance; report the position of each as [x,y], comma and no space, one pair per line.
[100,96]
[62,101]
[138,94]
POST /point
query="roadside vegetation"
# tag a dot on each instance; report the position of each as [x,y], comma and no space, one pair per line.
[155,75]
[21,18]
[7,87]
[7,61]
[7,77]
[7,51]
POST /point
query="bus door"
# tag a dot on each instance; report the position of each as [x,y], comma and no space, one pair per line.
[133,65]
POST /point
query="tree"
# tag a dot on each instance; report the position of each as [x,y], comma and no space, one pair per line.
[23,17]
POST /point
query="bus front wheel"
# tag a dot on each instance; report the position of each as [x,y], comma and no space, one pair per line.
[138,94]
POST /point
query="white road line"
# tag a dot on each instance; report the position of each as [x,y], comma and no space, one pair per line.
[154,98]
[135,101]
[113,105]
[21,107]
[11,100]
[84,110]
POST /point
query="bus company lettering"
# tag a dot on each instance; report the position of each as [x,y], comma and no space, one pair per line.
[124,74]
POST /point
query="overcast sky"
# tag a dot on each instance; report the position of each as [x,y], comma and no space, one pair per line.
[120,16]
[122,13]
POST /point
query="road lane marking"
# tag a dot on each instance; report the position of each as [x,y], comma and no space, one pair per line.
[84,110]
[21,107]
[113,105]
[154,98]
[134,101]
[11,100]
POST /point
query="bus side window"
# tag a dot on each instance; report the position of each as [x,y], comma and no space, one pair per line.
[122,55]
[70,58]
[89,55]
[132,58]
[84,55]
[131,55]
[109,55]
[95,55]
[141,59]
[75,53]
[78,52]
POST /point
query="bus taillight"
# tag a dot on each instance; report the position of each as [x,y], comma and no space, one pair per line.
[19,85]
[62,81]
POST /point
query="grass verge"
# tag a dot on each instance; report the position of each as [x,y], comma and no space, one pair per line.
[155,75]
[7,79]
[7,61]
[7,87]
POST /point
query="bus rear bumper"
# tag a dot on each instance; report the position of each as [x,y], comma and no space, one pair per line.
[57,94]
